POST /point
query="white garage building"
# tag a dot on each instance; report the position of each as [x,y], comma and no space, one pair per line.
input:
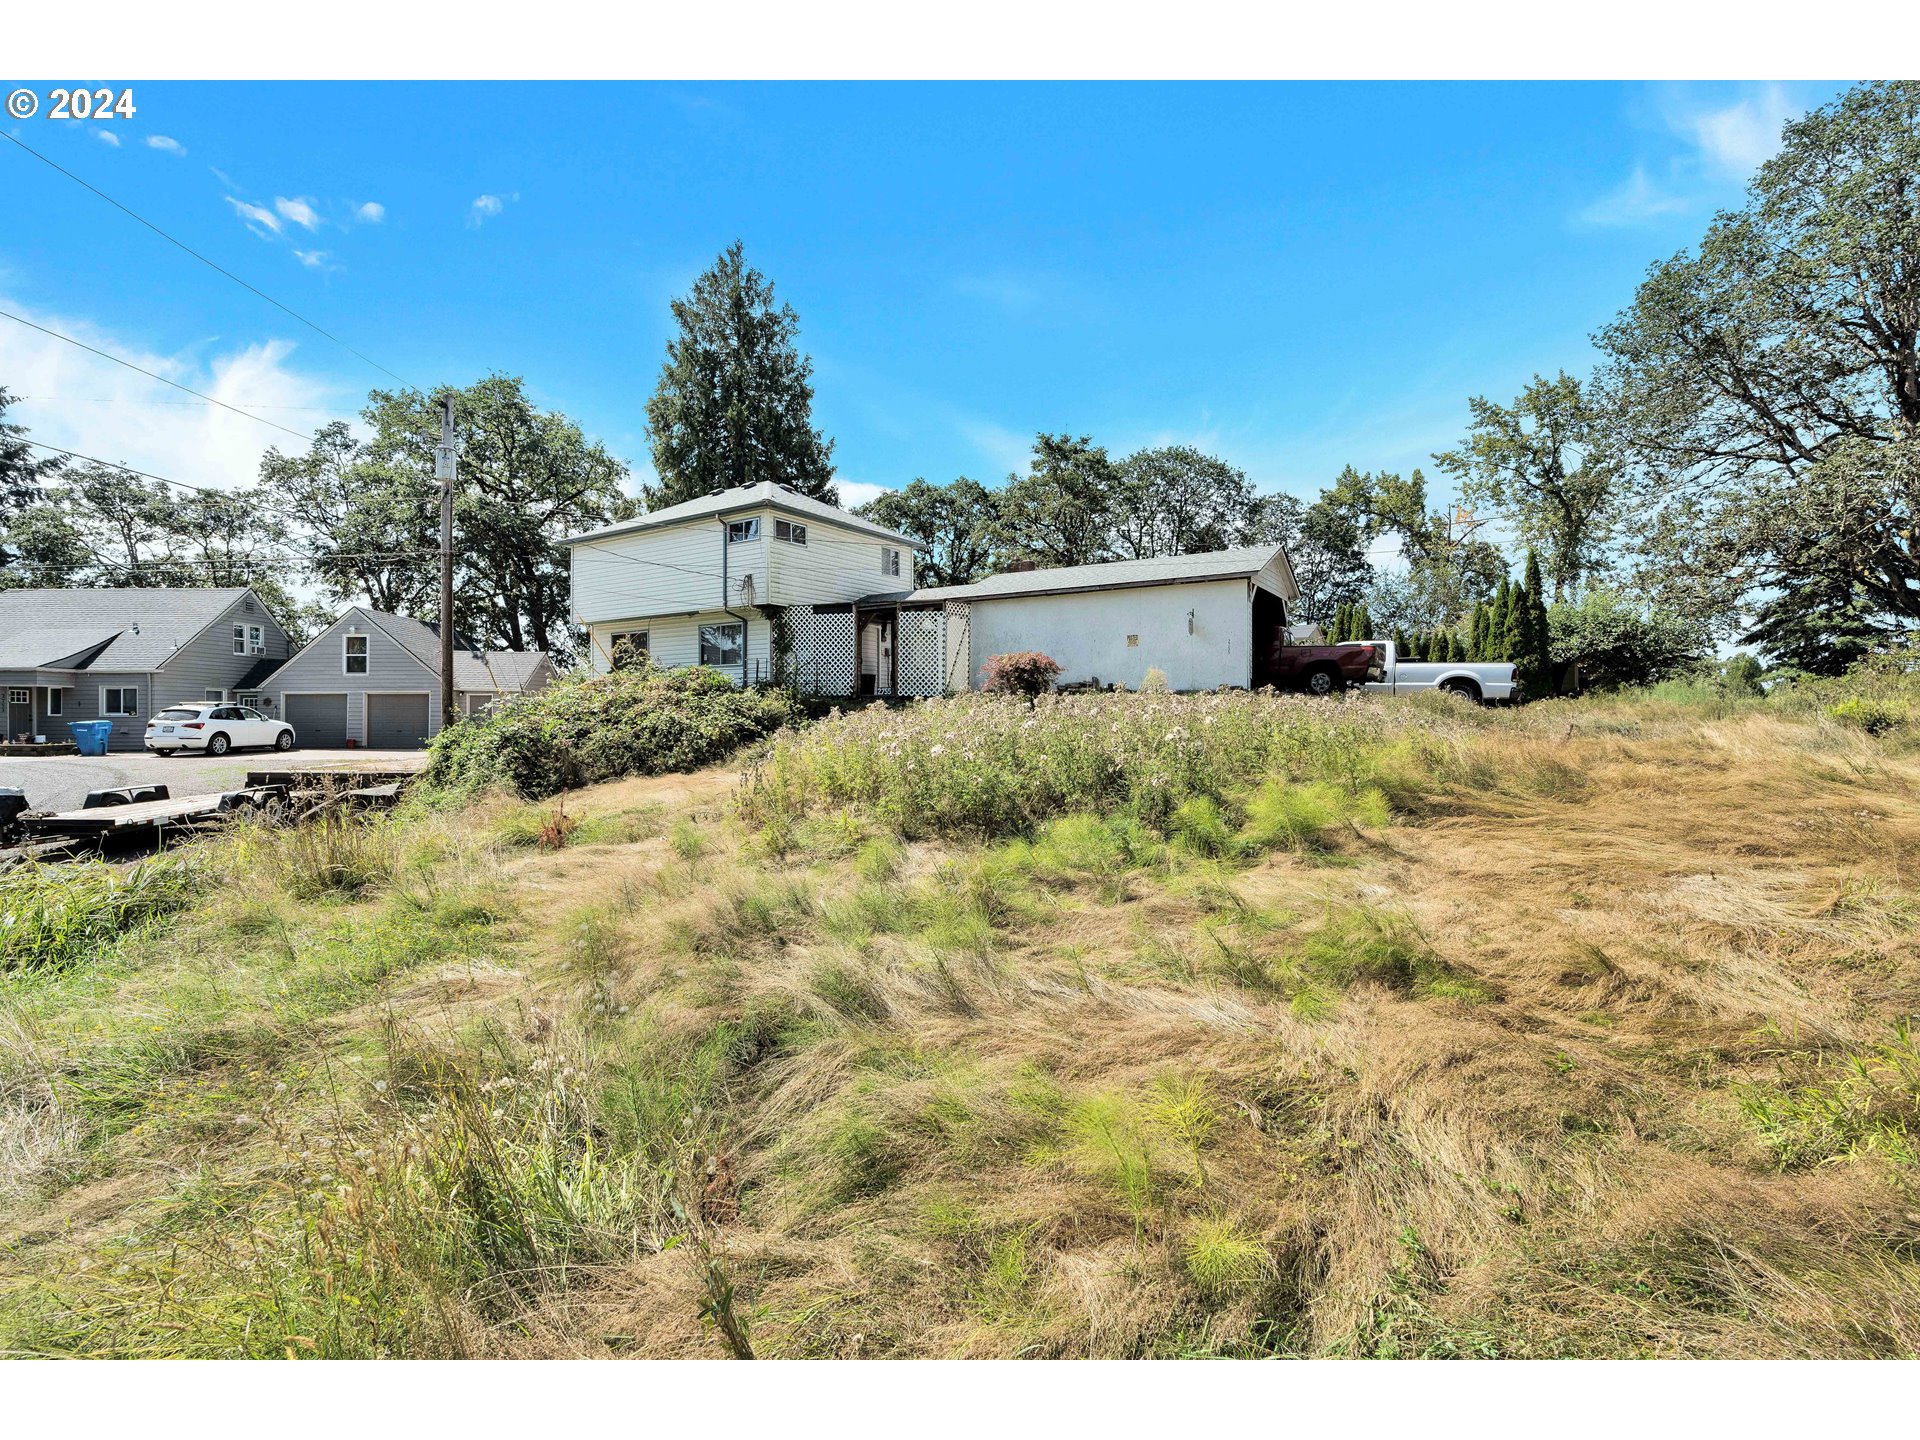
[1201,620]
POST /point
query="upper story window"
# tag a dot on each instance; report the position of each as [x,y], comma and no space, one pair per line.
[739,530]
[239,639]
[249,640]
[786,530]
[356,654]
[889,561]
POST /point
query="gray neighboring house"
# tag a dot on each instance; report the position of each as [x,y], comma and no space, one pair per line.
[373,679]
[120,655]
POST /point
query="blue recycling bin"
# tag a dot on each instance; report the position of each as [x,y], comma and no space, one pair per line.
[91,735]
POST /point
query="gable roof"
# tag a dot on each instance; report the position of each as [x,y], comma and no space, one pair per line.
[1243,563]
[473,668]
[747,497]
[131,629]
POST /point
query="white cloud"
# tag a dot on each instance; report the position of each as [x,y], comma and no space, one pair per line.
[106,410]
[107,137]
[486,207]
[1715,147]
[1636,200]
[312,259]
[1735,140]
[371,213]
[260,220]
[299,211]
[166,143]
[854,493]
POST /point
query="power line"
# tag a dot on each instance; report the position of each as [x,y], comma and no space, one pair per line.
[116,465]
[204,260]
[123,400]
[258,419]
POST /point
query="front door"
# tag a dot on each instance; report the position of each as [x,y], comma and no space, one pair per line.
[19,712]
[876,654]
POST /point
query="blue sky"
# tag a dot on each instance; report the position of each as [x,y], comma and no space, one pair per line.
[1292,276]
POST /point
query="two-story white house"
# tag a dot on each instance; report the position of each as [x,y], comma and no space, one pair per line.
[768,585]
[714,580]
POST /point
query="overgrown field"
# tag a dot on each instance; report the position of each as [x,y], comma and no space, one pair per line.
[1116,1026]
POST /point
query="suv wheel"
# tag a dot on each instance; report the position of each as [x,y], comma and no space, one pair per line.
[219,744]
[284,740]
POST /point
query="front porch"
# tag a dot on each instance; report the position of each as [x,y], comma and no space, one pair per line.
[37,708]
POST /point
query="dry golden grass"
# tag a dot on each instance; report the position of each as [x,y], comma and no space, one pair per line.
[1475,1084]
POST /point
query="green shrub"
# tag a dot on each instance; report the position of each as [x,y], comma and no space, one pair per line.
[1875,716]
[583,731]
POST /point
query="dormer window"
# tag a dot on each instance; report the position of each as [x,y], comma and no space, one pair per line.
[739,531]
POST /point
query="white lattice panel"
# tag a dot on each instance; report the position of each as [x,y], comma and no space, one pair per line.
[922,651]
[823,652]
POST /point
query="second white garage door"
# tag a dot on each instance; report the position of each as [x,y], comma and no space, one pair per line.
[396,722]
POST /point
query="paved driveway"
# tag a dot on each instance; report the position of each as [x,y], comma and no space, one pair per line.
[61,782]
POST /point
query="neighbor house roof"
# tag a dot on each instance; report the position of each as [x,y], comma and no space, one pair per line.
[505,671]
[1113,575]
[105,630]
[748,497]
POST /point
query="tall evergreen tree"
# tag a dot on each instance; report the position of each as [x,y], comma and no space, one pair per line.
[1513,636]
[1497,620]
[1538,661]
[1341,614]
[1477,632]
[1362,623]
[734,404]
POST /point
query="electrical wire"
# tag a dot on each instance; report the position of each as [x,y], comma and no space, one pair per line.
[81,344]
[255,289]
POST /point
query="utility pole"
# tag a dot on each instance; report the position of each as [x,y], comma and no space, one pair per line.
[445,462]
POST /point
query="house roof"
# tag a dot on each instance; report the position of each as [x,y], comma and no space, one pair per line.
[1113,575]
[506,671]
[747,497]
[132,629]
[256,676]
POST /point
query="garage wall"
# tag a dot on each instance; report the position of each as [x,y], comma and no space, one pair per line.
[320,669]
[1088,633]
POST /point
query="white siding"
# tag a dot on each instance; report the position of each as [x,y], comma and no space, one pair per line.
[672,570]
[1277,575]
[676,569]
[1087,633]
[674,641]
[834,566]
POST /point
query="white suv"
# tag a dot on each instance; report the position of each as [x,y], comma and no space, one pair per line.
[215,729]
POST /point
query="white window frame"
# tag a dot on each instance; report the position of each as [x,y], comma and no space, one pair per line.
[213,697]
[889,560]
[749,530]
[347,657]
[239,639]
[19,695]
[790,531]
[107,713]
[56,702]
[256,639]
[734,625]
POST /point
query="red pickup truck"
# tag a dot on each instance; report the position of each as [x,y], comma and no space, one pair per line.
[1321,669]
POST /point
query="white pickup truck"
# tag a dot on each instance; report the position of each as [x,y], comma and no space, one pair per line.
[1475,680]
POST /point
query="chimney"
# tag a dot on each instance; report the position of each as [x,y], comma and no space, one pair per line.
[1020,567]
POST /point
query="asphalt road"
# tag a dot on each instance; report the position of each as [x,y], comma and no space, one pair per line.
[61,782]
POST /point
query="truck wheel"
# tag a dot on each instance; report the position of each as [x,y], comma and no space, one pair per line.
[1322,681]
[1465,689]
